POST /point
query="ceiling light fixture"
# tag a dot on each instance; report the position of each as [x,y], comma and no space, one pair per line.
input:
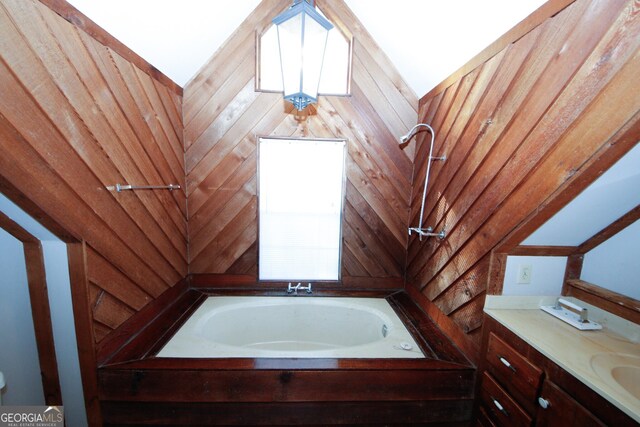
[302,39]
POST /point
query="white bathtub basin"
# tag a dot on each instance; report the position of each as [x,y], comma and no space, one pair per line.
[293,327]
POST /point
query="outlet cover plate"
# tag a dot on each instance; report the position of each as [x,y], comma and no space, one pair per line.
[524,274]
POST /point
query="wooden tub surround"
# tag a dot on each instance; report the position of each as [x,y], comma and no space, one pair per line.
[136,388]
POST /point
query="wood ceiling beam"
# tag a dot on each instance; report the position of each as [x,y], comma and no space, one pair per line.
[609,231]
[13,228]
[538,250]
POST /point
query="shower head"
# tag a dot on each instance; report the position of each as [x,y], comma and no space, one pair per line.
[405,138]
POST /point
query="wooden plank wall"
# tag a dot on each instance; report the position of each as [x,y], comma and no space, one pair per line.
[515,129]
[75,116]
[223,115]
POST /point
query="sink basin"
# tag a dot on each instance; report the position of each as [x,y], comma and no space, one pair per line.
[621,370]
[629,378]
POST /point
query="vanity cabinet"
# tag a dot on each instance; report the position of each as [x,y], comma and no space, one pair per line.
[518,386]
[557,408]
[509,384]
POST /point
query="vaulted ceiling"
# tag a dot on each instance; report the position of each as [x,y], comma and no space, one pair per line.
[178,37]
[519,128]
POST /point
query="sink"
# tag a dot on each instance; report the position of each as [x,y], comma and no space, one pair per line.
[619,370]
[629,378]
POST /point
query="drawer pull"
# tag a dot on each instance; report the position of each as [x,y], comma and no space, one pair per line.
[506,363]
[544,403]
[500,407]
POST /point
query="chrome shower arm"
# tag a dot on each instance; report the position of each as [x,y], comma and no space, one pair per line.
[412,131]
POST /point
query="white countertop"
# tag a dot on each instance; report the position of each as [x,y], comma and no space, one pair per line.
[569,347]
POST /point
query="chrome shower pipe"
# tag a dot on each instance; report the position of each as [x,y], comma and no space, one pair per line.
[404,139]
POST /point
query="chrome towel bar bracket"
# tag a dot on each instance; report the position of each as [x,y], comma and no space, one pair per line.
[428,232]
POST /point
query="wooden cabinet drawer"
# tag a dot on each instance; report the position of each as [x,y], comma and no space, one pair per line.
[514,371]
[483,419]
[501,408]
[557,408]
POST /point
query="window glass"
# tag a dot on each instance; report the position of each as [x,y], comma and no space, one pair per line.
[335,71]
[301,186]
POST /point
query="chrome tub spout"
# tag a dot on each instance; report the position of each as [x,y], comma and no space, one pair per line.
[294,289]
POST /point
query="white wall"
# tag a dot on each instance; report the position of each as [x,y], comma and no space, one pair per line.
[614,264]
[18,352]
[547,274]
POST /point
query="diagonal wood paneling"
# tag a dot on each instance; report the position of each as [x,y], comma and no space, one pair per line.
[223,115]
[75,116]
[516,129]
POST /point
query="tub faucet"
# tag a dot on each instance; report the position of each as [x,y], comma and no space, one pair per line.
[294,289]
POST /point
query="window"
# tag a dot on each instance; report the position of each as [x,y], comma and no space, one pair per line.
[301,188]
[335,71]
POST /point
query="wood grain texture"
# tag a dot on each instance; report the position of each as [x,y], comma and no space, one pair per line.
[552,107]
[16,230]
[451,413]
[533,250]
[243,391]
[550,8]
[224,115]
[605,412]
[40,309]
[618,304]
[82,317]
[75,117]
[131,330]
[187,385]
[71,14]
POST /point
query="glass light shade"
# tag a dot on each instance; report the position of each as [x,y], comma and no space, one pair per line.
[302,39]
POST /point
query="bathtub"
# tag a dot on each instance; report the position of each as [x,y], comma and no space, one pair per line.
[292,327]
[214,357]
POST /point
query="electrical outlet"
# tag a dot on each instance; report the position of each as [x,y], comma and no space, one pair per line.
[524,274]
